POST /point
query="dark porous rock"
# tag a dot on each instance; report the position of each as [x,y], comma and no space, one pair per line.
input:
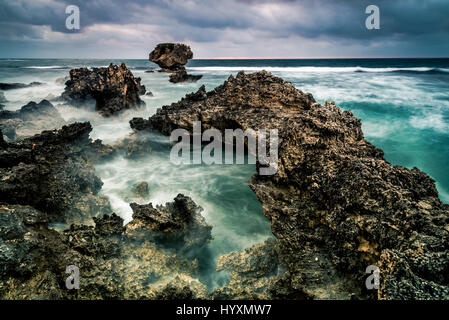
[30,120]
[254,272]
[11,86]
[182,76]
[35,258]
[109,224]
[171,56]
[53,172]
[335,204]
[149,94]
[112,89]
[139,124]
[142,190]
[3,143]
[178,223]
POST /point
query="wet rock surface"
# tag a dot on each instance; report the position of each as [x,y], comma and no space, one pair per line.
[111,90]
[142,190]
[182,76]
[254,272]
[30,120]
[178,224]
[35,258]
[54,173]
[335,204]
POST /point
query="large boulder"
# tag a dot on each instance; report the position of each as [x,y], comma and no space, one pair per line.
[111,89]
[335,204]
[171,56]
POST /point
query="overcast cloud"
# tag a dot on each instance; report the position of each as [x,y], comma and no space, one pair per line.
[225,28]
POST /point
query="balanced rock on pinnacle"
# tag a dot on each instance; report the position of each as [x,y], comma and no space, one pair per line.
[171,57]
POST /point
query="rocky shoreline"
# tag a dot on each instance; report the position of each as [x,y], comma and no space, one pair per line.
[336,206]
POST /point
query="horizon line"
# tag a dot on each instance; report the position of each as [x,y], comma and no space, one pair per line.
[249,58]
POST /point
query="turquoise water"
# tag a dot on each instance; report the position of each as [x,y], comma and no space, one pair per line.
[403,104]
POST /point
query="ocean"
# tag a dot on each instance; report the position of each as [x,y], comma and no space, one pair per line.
[403,105]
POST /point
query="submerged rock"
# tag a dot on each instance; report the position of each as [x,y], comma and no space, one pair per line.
[178,223]
[171,57]
[182,76]
[11,86]
[335,204]
[134,146]
[30,120]
[142,190]
[111,89]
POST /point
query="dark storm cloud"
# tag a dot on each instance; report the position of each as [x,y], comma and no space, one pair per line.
[338,21]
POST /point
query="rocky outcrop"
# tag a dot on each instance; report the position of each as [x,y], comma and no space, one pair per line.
[254,273]
[35,257]
[335,204]
[111,90]
[178,224]
[11,86]
[30,120]
[54,173]
[171,57]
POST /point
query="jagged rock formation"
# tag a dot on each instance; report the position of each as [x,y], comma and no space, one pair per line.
[11,86]
[53,172]
[172,57]
[35,257]
[335,204]
[254,272]
[178,224]
[112,89]
[30,120]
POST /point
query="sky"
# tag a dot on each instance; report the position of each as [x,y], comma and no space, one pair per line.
[224,28]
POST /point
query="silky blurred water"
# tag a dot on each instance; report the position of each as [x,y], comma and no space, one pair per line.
[403,104]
